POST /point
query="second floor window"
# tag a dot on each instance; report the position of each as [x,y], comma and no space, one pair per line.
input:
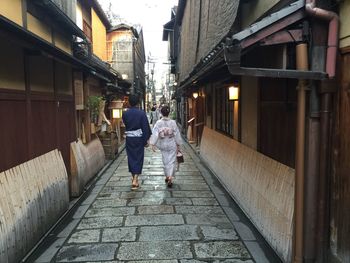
[87,30]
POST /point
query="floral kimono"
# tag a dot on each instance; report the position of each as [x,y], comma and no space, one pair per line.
[166,137]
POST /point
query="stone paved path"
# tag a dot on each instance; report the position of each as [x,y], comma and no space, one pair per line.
[191,222]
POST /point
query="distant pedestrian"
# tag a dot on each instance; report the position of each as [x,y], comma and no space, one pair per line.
[166,137]
[137,133]
[154,115]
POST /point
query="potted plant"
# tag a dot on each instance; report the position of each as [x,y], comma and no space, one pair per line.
[93,104]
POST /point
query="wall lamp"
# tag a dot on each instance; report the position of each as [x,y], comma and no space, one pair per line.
[233,93]
[195,95]
[117,108]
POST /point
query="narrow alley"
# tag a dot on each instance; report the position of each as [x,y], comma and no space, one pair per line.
[193,220]
[259,91]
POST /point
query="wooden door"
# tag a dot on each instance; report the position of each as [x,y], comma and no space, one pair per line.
[277,123]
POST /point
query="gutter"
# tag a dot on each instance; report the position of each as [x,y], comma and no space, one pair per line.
[333,33]
[326,89]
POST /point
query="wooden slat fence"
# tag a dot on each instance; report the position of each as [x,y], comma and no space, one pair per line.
[263,187]
[33,196]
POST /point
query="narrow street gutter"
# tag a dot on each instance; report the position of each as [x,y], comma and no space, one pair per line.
[74,204]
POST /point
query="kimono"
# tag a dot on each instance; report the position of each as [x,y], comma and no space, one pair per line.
[166,136]
[137,132]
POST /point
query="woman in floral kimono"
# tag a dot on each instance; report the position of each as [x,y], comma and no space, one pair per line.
[166,137]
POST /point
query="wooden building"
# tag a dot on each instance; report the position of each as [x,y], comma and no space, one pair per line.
[49,68]
[126,54]
[38,121]
[339,180]
[256,82]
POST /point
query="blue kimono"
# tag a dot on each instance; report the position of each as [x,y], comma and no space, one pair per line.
[137,132]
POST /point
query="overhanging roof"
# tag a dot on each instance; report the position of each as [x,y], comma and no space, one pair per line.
[122,26]
[168,27]
[232,47]
[24,36]
[58,15]
[266,27]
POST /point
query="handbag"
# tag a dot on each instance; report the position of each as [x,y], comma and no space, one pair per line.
[179,157]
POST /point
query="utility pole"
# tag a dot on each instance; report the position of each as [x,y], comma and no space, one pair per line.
[150,82]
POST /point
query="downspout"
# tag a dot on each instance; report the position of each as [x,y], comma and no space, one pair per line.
[325,112]
[302,64]
[333,28]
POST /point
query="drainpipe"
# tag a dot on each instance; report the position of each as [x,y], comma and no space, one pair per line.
[324,180]
[327,87]
[302,64]
[333,18]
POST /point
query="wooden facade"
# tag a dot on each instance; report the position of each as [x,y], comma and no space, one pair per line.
[261,59]
[40,117]
[340,179]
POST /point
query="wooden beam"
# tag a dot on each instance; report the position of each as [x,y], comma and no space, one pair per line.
[283,37]
[277,73]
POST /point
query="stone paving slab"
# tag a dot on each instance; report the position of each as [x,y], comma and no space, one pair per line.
[204,201]
[152,220]
[85,236]
[107,212]
[216,233]
[132,195]
[178,201]
[146,201]
[84,253]
[205,219]
[156,209]
[192,194]
[159,194]
[109,203]
[119,234]
[184,232]
[199,210]
[222,249]
[100,222]
[154,261]
[154,250]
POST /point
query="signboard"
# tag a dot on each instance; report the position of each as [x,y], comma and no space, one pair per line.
[79,92]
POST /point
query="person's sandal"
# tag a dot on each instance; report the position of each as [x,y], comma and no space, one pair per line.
[135,183]
[166,179]
[170,182]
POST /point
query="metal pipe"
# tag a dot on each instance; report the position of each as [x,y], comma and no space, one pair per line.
[333,32]
[323,224]
[312,166]
[333,35]
[311,190]
[302,64]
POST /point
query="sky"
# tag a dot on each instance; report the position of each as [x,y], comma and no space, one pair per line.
[151,15]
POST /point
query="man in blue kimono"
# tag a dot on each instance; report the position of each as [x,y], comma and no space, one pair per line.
[137,134]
